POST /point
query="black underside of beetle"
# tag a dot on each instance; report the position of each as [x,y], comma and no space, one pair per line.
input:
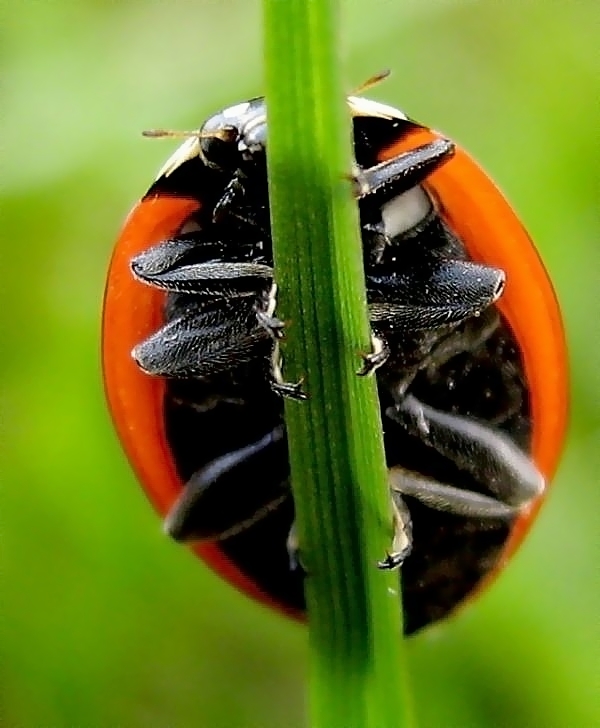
[210,418]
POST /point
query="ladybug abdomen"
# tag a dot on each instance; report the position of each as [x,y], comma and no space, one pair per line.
[472,369]
[463,322]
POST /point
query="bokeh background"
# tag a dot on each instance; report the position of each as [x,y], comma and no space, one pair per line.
[105,624]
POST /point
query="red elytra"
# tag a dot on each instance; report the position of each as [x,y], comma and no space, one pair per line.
[492,234]
[131,312]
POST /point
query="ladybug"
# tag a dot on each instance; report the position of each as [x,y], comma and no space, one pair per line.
[468,353]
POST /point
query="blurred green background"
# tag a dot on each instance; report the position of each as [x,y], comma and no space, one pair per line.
[105,623]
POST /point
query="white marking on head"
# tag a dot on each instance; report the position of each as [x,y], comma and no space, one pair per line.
[188,150]
[360,106]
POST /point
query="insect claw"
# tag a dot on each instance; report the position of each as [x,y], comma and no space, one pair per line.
[402,541]
[375,358]
[291,390]
[274,326]
[392,561]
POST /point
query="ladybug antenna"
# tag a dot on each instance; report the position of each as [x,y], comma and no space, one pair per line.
[370,82]
[159,133]
[223,133]
[191,147]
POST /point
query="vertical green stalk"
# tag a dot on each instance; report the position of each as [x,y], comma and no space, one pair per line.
[336,450]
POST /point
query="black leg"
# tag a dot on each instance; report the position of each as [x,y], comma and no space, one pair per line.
[205,342]
[442,497]
[403,172]
[425,297]
[174,266]
[211,341]
[213,505]
[486,454]
[232,195]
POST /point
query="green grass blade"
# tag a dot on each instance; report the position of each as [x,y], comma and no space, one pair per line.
[336,448]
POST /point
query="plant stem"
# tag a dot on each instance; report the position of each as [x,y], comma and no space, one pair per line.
[336,448]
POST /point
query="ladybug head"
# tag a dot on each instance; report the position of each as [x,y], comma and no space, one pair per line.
[226,140]
[238,131]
